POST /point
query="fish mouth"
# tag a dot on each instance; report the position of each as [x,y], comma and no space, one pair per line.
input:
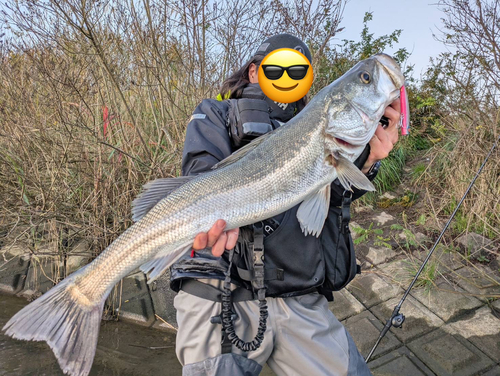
[285,88]
[344,145]
[343,142]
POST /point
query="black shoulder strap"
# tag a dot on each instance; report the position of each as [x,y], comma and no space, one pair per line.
[258,260]
[345,212]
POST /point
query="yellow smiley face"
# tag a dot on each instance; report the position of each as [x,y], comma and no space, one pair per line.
[285,75]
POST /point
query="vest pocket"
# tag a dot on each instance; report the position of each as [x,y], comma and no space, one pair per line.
[299,256]
[338,249]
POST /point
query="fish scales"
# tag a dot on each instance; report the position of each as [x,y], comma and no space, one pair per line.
[295,163]
[190,209]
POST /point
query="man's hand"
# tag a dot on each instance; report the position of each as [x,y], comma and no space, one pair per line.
[217,238]
[384,140]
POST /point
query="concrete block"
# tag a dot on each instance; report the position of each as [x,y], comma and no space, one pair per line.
[345,305]
[398,361]
[388,196]
[447,354]
[473,242]
[483,282]
[365,329]
[15,250]
[383,218]
[363,208]
[44,272]
[448,260]
[366,266]
[492,372]
[13,273]
[135,304]
[421,238]
[379,255]
[496,304]
[399,272]
[418,319]
[482,329]
[163,301]
[446,301]
[80,255]
[370,289]
[352,226]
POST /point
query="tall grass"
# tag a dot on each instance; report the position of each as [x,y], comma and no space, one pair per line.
[454,162]
[74,150]
[89,113]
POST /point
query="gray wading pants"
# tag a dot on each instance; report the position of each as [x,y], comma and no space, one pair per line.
[303,338]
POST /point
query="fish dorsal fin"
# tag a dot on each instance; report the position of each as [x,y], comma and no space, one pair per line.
[244,150]
[157,266]
[313,211]
[153,192]
[349,174]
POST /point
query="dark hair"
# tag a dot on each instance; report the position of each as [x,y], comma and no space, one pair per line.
[232,87]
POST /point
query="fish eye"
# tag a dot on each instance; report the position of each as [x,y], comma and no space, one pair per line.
[365,77]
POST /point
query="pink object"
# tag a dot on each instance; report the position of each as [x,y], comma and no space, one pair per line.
[405,112]
[105,119]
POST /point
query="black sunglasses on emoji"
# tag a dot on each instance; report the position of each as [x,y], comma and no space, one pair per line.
[295,72]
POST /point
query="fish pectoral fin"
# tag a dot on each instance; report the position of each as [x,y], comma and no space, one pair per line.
[153,192]
[313,211]
[157,266]
[349,174]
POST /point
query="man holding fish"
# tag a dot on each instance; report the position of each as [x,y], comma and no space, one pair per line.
[302,336]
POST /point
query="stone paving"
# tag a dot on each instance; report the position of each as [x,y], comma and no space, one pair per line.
[445,331]
[451,329]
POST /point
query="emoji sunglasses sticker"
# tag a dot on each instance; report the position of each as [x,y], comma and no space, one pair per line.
[285,75]
[295,72]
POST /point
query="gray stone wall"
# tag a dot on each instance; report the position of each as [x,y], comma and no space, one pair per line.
[131,300]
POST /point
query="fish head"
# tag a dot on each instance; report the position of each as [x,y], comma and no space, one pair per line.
[357,101]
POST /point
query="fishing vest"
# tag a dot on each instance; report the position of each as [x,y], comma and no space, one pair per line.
[254,115]
[294,263]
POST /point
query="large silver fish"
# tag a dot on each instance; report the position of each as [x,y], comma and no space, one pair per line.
[295,163]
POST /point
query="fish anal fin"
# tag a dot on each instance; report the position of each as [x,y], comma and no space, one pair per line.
[313,211]
[157,266]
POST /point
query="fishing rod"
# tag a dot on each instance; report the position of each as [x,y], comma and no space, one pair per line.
[398,318]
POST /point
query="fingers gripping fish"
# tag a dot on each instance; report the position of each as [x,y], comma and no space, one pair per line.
[293,164]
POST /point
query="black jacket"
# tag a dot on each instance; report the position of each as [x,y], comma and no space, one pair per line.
[294,263]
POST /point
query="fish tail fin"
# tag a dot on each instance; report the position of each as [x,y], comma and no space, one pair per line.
[69,327]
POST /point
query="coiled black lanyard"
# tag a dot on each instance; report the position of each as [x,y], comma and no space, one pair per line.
[258,285]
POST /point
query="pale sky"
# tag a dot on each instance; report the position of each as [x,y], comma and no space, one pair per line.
[417,18]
